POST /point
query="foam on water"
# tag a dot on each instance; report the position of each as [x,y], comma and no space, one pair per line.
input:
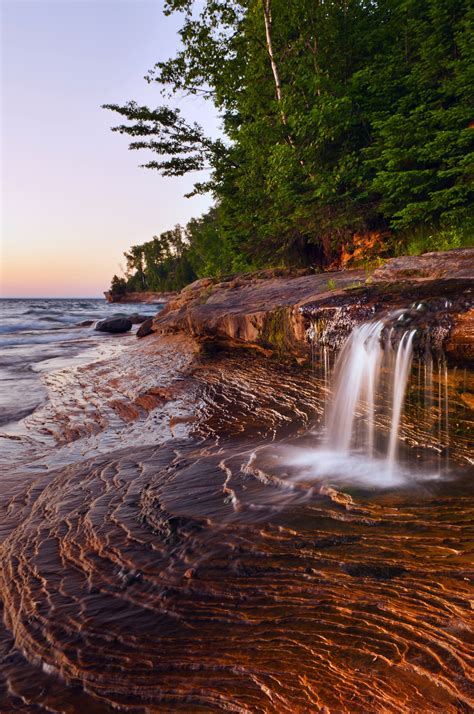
[38,335]
[331,467]
[370,380]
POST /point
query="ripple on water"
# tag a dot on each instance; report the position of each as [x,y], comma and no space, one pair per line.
[201,575]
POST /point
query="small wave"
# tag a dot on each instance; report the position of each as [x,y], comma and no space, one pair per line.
[35,307]
[25,327]
[46,323]
[40,310]
[39,339]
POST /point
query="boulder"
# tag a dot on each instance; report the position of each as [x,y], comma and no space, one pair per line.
[137,319]
[146,328]
[114,325]
[85,323]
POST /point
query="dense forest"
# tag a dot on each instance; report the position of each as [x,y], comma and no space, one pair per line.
[348,131]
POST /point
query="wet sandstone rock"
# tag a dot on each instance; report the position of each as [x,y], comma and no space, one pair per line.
[273,310]
[145,296]
[137,319]
[162,549]
[146,328]
[114,325]
[440,311]
[368,570]
[460,343]
[257,310]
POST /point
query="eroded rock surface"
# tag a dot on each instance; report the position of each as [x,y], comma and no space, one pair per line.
[146,296]
[146,328]
[429,266]
[272,310]
[168,561]
[161,552]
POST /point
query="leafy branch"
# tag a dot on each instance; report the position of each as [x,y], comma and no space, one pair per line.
[163,131]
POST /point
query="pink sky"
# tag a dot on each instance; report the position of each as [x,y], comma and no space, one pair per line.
[72,196]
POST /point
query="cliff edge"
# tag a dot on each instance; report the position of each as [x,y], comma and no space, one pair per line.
[274,311]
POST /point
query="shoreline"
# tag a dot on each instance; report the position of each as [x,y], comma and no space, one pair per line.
[145,297]
[274,313]
[102,404]
[173,506]
[164,498]
[275,316]
[38,337]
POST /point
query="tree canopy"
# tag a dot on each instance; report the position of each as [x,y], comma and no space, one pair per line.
[341,117]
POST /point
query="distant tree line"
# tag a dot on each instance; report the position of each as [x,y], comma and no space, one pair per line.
[161,265]
[341,118]
[175,258]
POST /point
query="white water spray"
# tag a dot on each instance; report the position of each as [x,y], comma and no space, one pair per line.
[370,390]
[400,378]
[357,371]
[367,372]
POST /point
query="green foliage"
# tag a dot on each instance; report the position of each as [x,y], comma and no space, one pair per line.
[118,286]
[163,132]
[212,252]
[426,239]
[340,117]
[420,159]
[161,264]
[277,332]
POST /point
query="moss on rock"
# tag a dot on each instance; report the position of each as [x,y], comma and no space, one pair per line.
[277,331]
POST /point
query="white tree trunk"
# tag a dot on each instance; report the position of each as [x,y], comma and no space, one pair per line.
[267,14]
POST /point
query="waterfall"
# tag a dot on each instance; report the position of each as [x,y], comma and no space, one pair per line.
[356,372]
[370,375]
[385,424]
[400,378]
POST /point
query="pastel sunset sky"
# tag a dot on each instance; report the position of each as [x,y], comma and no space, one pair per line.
[72,197]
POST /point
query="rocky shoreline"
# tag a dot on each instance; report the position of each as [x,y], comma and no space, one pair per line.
[147,296]
[274,311]
[161,501]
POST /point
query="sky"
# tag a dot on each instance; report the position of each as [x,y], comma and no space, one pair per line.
[73,198]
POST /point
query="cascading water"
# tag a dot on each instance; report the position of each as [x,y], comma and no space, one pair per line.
[357,370]
[367,369]
[391,406]
[400,379]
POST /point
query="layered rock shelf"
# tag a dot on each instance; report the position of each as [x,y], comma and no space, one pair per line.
[178,534]
[146,296]
[273,311]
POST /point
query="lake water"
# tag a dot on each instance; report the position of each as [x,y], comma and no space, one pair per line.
[41,334]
